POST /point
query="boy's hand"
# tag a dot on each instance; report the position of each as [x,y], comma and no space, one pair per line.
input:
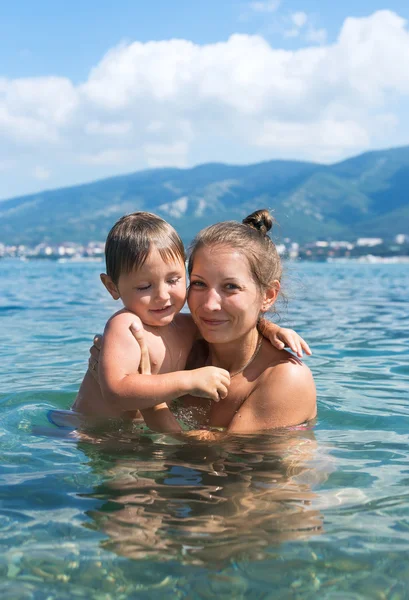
[281,337]
[206,382]
[209,382]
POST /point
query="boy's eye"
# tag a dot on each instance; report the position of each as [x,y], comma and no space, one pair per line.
[143,287]
[174,280]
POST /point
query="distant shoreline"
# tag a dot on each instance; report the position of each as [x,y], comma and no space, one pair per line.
[365,259]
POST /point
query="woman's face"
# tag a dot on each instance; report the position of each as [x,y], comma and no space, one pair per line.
[223,298]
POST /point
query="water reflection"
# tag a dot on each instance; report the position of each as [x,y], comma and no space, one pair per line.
[206,502]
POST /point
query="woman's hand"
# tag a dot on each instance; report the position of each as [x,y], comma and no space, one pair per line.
[137,331]
[145,362]
[288,338]
[158,418]
[93,360]
[281,337]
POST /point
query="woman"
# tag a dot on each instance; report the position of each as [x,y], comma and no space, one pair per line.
[235,274]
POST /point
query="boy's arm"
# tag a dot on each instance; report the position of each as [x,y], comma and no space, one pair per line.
[281,337]
[159,417]
[122,385]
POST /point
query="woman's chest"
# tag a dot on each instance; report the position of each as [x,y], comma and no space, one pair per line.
[217,414]
[223,412]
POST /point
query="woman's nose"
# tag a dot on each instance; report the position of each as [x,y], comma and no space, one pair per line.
[212,300]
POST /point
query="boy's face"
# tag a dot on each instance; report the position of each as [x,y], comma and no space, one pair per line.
[155,292]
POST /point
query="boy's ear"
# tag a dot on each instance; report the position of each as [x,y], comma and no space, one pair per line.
[270,296]
[110,286]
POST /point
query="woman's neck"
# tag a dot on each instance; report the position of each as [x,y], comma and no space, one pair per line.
[235,356]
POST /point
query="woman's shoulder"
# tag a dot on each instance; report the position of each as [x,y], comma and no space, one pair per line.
[284,394]
[289,370]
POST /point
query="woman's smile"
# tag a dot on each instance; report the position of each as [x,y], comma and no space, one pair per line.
[213,322]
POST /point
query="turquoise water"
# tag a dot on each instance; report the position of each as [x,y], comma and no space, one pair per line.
[316,514]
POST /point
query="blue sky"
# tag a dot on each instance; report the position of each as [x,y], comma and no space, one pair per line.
[92,89]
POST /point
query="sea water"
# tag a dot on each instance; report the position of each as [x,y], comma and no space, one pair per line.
[321,513]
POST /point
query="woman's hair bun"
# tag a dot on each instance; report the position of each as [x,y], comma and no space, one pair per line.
[260,220]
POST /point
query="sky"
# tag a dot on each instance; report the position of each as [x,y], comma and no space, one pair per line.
[94,89]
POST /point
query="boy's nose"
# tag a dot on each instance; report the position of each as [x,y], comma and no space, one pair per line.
[162,292]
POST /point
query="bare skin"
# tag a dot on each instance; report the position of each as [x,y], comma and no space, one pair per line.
[275,389]
[166,350]
[156,293]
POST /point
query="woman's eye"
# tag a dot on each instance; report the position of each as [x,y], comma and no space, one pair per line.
[197,284]
[232,286]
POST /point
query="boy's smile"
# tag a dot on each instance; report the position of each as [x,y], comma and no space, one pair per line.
[155,292]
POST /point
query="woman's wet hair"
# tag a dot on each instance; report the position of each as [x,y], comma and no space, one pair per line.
[251,239]
[132,238]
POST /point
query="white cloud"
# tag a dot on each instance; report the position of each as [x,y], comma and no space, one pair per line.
[41,173]
[162,155]
[268,6]
[154,126]
[316,36]
[298,25]
[323,137]
[299,19]
[174,102]
[115,128]
[105,157]
[292,33]
[34,109]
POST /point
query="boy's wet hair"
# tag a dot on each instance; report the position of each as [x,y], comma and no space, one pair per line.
[132,238]
[250,238]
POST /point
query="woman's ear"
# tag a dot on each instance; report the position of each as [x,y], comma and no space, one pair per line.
[270,296]
[110,286]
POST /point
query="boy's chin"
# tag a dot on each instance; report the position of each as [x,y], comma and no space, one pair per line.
[158,320]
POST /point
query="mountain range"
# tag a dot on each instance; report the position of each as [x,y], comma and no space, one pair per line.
[367,195]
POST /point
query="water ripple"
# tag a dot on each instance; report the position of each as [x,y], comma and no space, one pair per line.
[321,513]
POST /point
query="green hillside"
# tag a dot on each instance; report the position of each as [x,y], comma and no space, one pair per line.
[363,196]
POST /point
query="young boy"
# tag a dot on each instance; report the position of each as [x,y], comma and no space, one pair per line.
[145,264]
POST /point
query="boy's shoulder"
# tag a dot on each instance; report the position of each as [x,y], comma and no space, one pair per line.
[120,318]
